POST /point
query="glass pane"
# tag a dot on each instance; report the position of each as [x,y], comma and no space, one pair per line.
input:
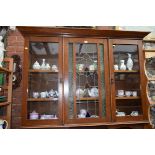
[43,93]
[70,74]
[127,80]
[84,88]
[86,76]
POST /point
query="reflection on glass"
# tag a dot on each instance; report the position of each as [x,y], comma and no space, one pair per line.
[43,93]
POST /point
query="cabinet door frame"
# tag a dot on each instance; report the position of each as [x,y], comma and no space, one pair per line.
[66,82]
[41,123]
[141,73]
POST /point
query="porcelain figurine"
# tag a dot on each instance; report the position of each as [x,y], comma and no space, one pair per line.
[43,65]
[36,65]
[1,51]
[129,62]
[122,65]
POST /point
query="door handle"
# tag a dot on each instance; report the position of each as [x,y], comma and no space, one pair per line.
[112,81]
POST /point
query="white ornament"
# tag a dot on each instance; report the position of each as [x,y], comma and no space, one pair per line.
[129,62]
[122,65]
[43,65]
[36,65]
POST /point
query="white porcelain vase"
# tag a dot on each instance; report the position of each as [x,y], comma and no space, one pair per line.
[122,65]
[129,62]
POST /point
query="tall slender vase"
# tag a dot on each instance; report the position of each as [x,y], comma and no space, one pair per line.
[129,62]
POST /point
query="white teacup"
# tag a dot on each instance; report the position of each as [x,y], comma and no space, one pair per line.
[120,92]
[44,94]
[128,93]
[35,94]
[134,93]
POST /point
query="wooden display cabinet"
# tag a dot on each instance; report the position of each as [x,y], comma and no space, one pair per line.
[128,80]
[40,106]
[86,81]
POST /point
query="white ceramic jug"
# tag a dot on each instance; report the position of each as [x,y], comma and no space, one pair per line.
[122,65]
[2,123]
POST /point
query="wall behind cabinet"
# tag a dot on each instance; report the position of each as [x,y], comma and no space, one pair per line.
[15,45]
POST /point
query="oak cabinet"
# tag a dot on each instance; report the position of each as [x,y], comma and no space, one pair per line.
[70,80]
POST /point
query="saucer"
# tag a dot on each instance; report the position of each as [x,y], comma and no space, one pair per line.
[120,95]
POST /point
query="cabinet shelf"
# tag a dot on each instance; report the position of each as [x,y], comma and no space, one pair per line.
[127,98]
[126,71]
[42,99]
[87,98]
[41,71]
[4,70]
[4,103]
[151,79]
[128,116]
[150,40]
[152,102]
[95,71]
[149,50]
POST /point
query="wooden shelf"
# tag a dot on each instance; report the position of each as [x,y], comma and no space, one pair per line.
[95,71]
[151,79]
[41,71]
[149,40]
[4,70]
[4,103]
[126,71]
[149,50]
[127,98]
[151,102]
[42,99]
[129,118]
[87,98]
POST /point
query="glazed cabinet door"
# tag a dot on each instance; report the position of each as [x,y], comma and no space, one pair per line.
[86,89]
[42,99]
[127,80]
